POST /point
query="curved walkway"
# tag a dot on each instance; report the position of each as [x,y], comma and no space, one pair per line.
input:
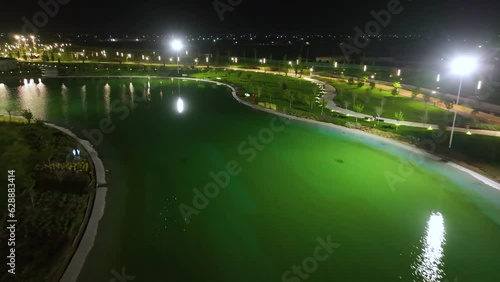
[330,94]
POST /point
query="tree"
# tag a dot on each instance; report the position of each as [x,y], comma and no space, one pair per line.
[368,93]
[372,85]
[323,105]
[308,100]
[9,108]
[350,81]
[239,74]
[415,92]
[399,116]
[284,86]
[394,92]
[346,104]
[354,97]
[270,95]
[379,111]
[358,108]
[249,75]
[27,115]
[285,70]
[382,102]
[361,84]
[290,96]
[448,104]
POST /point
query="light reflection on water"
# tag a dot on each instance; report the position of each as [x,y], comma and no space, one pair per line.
[64,95]
[33,96]
[428,266]
[107,99]
[83,93]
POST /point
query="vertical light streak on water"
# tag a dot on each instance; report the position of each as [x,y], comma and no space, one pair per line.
[107,99]
[40,110]
[428,266]
[83,95]
[131,90]
[64,102]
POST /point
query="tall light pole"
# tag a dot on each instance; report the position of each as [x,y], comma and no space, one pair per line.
[177,46]
[461,66]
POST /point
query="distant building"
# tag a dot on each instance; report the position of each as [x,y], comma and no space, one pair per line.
[8,64]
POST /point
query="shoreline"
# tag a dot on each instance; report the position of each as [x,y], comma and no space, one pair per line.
[412,149]
[86,242]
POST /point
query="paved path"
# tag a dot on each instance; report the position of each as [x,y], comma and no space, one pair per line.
[330,93]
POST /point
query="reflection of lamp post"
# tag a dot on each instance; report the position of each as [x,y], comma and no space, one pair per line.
[177,46]
[461,66]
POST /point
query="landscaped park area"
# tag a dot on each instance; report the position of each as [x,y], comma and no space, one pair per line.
[222,191]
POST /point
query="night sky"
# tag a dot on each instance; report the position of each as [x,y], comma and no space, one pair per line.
[457,17]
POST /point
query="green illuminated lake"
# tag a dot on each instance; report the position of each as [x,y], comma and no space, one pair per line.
[295,186]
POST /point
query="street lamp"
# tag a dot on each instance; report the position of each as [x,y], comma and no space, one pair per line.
[177,46]
[461,66]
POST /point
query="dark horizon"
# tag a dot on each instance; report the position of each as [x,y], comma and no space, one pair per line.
[458,18]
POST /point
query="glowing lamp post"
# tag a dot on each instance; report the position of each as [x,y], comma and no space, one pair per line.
[177,46]
[461,66]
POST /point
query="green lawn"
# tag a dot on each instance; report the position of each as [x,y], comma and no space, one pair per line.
[414,110]
[274,89]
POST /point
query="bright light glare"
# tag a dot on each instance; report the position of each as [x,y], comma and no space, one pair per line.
[177,45]
[463,65]
[429,264]
[180,105]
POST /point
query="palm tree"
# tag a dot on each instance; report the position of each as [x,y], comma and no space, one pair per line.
[379,111]
[308,100]
[346,104]
[290,96]
[358,108]
[323,105]
[399,116]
